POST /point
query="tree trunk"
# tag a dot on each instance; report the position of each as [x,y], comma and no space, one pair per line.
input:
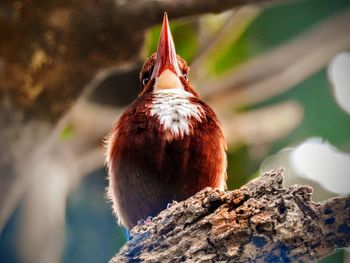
[260,222]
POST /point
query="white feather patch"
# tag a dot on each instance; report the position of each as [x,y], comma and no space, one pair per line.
[173,109]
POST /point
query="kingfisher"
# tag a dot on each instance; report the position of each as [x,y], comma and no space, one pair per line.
[167,145]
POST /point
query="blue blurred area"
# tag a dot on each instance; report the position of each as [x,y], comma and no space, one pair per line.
[92,233]
[8,253]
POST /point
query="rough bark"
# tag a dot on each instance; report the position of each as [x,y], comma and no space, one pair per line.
[260,222]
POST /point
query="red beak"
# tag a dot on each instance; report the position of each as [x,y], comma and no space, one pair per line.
[166,53]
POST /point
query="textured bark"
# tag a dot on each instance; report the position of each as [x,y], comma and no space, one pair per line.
[260,222]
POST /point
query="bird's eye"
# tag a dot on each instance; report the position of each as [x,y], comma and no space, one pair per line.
[185,76]
[145,81]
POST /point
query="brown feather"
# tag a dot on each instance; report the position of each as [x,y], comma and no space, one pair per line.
[149,167]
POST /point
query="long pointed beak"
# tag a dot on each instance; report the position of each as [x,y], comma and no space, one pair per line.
[166,53]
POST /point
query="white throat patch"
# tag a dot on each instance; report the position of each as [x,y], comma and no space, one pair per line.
[173,109]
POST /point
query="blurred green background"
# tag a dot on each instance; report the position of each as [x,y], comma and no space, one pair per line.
[215,46]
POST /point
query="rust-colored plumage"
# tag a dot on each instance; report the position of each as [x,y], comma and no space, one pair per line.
[167,145]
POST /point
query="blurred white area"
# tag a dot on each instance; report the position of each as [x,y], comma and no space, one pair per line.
[41,228]
[339,75]
[319,161]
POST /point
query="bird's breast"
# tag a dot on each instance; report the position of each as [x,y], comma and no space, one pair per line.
[175,112]
[167,146]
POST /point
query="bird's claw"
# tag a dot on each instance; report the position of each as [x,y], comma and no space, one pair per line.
[141,222]
[171,204]
[146,221]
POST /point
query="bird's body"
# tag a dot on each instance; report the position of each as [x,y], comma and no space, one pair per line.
[168,144]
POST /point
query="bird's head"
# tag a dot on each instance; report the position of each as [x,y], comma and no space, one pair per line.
[165,69]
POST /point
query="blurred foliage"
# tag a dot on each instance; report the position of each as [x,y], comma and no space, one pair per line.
[185,37]
[91,231]
[273,27]
[67,133]
[336,258]
[241,167]
[322,115]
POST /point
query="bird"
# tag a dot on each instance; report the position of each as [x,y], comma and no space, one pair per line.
[167,145]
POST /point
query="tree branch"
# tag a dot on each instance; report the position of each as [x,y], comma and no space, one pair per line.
[280,69]
[260,222]
[152,10]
